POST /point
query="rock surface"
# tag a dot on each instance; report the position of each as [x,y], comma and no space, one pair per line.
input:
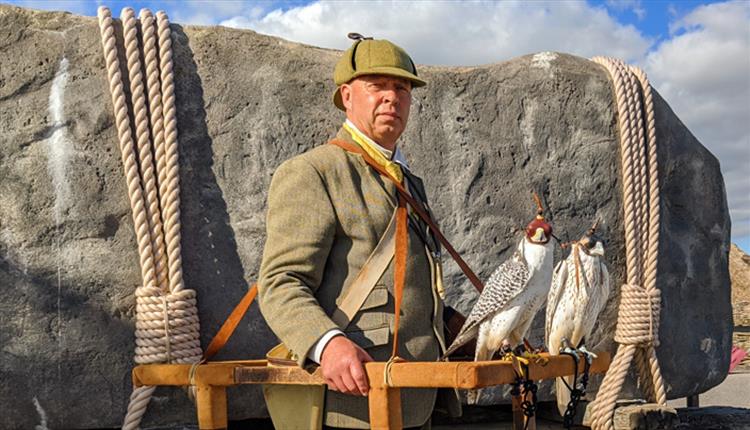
[483,138]
[713,418]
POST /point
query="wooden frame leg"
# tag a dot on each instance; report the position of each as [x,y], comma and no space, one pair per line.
[519,418]
[385,408]
[692,401]
[211,402]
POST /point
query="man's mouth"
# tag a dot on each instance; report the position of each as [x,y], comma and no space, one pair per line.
[392,115]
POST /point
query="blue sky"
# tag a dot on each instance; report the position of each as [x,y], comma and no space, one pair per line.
[650,17]
[696,53]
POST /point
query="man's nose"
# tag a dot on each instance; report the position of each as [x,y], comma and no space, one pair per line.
[390,95]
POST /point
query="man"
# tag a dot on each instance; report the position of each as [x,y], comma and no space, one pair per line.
[327,210]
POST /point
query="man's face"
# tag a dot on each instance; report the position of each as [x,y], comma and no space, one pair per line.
[379,106]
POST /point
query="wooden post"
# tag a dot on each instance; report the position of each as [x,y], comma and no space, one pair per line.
[385,408]
[519,418]
[211,401]
[692,401]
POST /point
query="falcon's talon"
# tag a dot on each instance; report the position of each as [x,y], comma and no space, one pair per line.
[513,357]
[536,358]
[590,356]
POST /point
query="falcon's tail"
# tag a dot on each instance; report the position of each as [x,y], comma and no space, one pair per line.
[563,393]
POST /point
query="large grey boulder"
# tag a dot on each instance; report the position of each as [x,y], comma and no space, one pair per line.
[482,138]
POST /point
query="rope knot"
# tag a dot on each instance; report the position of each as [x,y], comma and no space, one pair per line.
[638,317]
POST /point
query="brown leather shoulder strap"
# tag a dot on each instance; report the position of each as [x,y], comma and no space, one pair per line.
[226,330]
[399,267]
[417,208]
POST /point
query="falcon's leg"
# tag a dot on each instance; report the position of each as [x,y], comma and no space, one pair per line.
[518,335]
[566,347]
[484,349]
[564,384]
[514,338]
[588,355]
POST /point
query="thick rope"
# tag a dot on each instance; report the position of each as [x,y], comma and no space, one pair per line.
[167,325]
[135,192]
[153,82]
[171,188]
[144,142]
[640,303]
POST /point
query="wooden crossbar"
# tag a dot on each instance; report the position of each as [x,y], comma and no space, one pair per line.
[211,379]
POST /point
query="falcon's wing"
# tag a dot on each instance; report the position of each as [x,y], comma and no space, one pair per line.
[559,280]
[505,283]
[596,293]
[601,294]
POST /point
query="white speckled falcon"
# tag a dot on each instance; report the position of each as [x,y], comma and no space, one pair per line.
[512,296]
[580,288]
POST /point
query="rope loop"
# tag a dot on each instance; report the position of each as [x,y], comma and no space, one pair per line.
[167,326]
[638,317]
[387,378]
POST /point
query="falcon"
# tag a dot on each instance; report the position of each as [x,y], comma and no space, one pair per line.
[511,297]
[580,288]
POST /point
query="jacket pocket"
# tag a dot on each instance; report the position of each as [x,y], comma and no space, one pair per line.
[378,297]
[373,313]
[370,338]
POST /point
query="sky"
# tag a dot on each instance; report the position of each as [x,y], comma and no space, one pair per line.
[696,53]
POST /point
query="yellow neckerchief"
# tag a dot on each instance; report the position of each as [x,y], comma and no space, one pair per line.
[393,168]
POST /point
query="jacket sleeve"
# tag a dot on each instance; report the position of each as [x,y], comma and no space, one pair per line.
[300,229]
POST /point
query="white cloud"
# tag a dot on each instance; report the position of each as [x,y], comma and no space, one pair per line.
[703,71]
[634,6]
[457,33]
[204,12]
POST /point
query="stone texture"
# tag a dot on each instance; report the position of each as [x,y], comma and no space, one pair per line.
[483,138]
[713,418]
[648,416]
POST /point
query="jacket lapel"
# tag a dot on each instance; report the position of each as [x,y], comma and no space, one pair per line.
[385,185]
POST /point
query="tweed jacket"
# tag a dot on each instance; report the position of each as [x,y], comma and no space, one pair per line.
[327,210]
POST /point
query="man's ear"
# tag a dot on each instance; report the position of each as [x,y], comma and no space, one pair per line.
[346,95]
